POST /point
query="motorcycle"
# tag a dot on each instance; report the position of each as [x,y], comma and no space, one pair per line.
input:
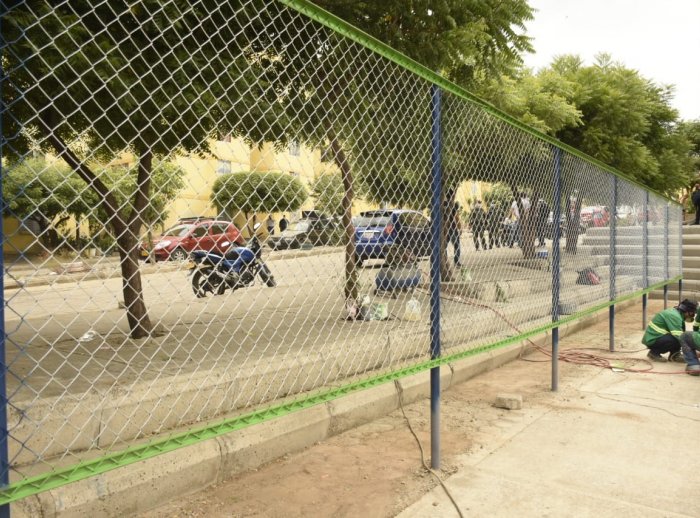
[237,268]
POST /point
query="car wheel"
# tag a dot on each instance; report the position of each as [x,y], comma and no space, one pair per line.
[178,255]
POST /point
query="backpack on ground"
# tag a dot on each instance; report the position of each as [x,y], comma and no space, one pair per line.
[588,276]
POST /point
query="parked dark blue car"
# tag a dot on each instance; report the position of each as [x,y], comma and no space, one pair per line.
[377,230]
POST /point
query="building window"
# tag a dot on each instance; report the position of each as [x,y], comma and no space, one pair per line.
[223,166]
[294,148]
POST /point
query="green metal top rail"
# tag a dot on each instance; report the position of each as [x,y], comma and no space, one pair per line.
[348,30]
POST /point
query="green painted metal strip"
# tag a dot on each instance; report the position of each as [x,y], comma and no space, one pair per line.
[37,484]
[351,32]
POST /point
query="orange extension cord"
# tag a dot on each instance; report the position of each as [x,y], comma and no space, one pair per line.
[576,356]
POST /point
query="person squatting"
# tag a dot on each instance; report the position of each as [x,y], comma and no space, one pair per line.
[666,334]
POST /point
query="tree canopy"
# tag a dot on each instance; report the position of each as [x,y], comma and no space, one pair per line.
[257,192]
[47,193]
[626,121]
[465,40]
[327,191]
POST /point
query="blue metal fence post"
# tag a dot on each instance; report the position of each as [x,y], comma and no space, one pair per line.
[666,273]
[645,258]
[4,457]
[613,263]
[435,253]
[556,280]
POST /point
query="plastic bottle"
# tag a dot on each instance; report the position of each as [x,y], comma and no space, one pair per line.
[413,310]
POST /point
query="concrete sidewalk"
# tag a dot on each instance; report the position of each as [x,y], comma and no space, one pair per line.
[617,444]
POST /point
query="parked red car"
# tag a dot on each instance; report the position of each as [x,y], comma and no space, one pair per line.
[595,216]
[178,241]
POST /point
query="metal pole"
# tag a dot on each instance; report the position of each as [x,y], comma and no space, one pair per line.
[645,257]
[4,457]
[556,279]
[435,253]
[666,274]
[613,263]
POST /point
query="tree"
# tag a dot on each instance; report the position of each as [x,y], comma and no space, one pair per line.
[251,192]
[167,183]
[466,41]
[78,81]
[376,117]
[48,193]
[327,191]
[626,121]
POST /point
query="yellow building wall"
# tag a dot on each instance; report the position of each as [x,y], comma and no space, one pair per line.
[18,239]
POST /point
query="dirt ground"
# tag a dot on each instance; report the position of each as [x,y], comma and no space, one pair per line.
[376,470]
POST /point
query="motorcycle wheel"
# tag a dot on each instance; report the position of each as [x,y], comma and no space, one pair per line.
[267,277]
[201,285]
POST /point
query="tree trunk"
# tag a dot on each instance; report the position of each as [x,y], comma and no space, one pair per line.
[447,272]
[351,281]
[526,224]
[128,243]
[125,231]
[573,223]
[132,289]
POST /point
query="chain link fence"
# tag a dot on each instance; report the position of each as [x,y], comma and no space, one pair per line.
[218,212]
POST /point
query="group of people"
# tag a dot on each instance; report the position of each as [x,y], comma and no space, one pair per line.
[495,226]
[270,224]
[666,334]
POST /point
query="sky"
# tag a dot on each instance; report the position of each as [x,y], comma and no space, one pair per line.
[659,38]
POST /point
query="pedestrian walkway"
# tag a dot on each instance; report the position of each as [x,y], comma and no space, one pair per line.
[613,446]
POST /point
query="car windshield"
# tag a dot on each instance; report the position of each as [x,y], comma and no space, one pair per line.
[178,231]
[372,220]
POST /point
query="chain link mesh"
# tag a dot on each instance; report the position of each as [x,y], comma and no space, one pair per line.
[137,133]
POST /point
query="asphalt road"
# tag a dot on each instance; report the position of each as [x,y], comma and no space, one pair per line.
[311,281]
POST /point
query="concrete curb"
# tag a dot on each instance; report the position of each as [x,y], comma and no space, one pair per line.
[153,482]
[110,269]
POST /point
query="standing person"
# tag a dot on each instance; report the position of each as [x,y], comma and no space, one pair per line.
[284,223]
[453,223]
[495,224]
[665,329]
[270,225]
[695,197]
[517,217]
[541,215]
[477,222]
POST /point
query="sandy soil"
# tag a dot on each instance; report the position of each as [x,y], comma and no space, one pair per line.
[376,470]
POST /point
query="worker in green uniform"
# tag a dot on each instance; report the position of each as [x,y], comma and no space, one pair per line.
[665,329]
[690,345]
